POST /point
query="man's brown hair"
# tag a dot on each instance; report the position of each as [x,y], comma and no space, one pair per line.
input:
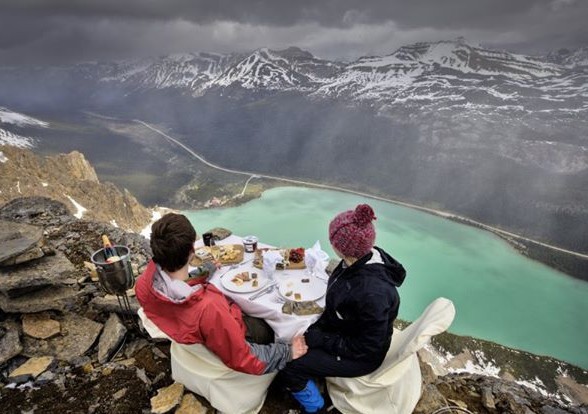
[172,241]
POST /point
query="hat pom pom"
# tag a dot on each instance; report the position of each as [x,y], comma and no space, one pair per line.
[364,215]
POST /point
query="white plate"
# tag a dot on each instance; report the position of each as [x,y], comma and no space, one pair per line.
[246,287]
[313,290]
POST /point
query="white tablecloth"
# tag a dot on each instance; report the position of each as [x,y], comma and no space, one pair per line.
[267,306]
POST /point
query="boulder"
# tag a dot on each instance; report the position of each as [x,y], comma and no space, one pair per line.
[30,369]
[10,345]
[35,210]
[78,335]
[49,298]
[31,276]
[167,398]
[40,325]
[112,336]
[20,242]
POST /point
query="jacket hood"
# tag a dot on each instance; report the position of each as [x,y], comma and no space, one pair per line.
[392,267]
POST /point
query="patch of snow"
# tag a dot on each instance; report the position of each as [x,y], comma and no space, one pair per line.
[536,385]
[480,367]
[28,384]
[155,215]
[113,222]
[18,187]
[44,184]
[10,117]
[80,209]
[3,158]
[15,140]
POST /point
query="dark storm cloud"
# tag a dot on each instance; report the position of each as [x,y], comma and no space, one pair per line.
[418,13]
[34,31]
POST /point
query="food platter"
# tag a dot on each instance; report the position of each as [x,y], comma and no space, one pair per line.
[302,289]
[240,281]
[226,253]
[291,258]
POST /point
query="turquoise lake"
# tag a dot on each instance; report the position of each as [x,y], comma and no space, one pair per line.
[499,294]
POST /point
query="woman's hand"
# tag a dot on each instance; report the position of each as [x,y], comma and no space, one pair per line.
[299,347]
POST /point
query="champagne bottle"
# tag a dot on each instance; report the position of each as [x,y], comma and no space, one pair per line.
[109,252]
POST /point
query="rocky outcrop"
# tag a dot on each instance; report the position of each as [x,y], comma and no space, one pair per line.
[20,243]
[70,179]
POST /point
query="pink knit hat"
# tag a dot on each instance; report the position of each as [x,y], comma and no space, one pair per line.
[352,232]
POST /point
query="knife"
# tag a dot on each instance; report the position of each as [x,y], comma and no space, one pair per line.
[263,291]
[232,267]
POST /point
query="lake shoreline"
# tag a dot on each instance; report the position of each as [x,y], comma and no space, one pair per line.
[572,265]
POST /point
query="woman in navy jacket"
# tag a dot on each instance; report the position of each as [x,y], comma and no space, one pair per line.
[352,336]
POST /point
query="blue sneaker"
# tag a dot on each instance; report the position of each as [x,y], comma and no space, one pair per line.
[310,397]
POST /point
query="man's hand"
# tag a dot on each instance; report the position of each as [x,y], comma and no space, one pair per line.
[299,347]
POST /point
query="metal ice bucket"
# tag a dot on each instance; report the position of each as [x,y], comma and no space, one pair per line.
[117,277]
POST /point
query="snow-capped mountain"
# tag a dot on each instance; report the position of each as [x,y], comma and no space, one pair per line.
[274,70]
[430,74]
[570,58]
[190,72]
[197,73]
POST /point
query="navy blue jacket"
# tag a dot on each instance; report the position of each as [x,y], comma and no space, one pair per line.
[361,305]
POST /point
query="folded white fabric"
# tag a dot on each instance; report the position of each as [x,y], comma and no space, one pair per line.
[316,259]
[270,259]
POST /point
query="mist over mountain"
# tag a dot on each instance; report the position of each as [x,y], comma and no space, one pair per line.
[496,136]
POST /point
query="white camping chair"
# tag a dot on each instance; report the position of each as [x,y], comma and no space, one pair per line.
[203,373]
[395,387]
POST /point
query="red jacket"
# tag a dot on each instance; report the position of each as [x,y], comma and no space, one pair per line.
[205,317]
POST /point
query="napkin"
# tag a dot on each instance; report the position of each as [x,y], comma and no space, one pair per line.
[316,259]
[270,259]
[301,308]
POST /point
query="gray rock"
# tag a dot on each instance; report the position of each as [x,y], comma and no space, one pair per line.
[119,394]
[220,233]
[45,377]
[135,346]
[78,334]
[32,276]
[142,375]
[112,336]
[10,345]
[488,398]
[49,298]
[20,242]
[109,303]
[34,210]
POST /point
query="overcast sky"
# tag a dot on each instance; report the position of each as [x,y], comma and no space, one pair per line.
[64,31]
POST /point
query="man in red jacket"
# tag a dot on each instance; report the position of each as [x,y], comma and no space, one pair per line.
[196,311]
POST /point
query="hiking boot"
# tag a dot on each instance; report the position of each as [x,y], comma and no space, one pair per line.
[310,398]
